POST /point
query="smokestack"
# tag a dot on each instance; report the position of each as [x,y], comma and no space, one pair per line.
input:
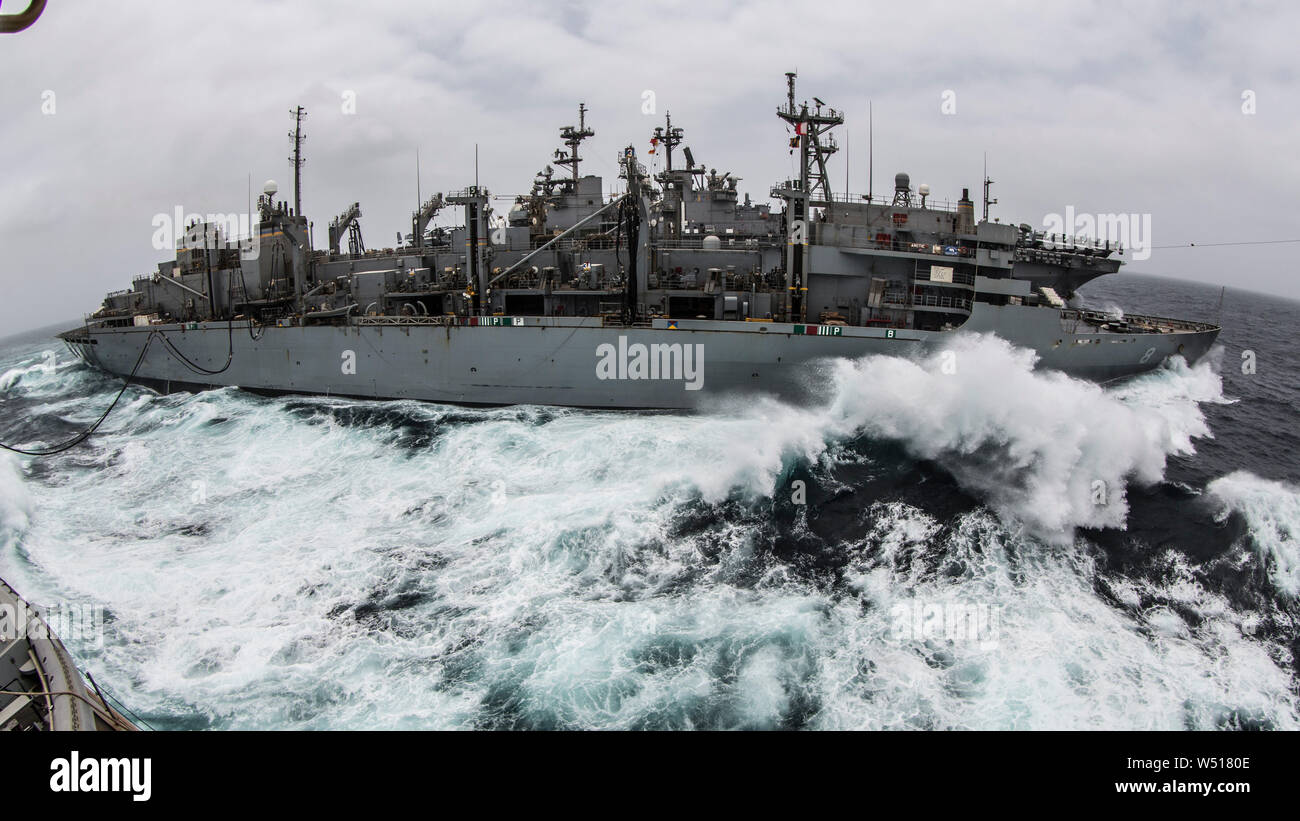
[965,213]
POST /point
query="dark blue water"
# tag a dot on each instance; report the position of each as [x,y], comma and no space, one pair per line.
[1261,432]
[305,562]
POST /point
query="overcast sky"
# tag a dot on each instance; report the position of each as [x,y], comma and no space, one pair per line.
[112,113]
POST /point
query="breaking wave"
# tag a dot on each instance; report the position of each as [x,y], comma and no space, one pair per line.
[1272,513]
[1041,448]
[15,502]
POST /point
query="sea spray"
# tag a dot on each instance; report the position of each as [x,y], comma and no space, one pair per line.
[1041,448]
[1272,513]
[15,502]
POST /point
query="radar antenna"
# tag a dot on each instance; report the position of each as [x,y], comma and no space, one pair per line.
[668,137]
[573,138]
[987,184]
[813,139]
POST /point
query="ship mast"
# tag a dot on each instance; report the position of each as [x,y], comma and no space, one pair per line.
[573,138]
[988,183]
[297,136]
[675,183]
[668,137]
[809,127]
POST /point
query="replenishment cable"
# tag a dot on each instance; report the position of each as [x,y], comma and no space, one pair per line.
[244,285]
[230,355]
[81,437]
[1221,244]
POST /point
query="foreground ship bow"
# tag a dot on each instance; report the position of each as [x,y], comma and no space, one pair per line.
[671,292]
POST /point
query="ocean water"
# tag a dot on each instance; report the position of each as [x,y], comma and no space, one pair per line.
[993,548]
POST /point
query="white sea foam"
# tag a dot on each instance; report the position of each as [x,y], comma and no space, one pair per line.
[1041,448]
[44,370]
[266,565]
[1062,657]
[1272,513]
[15,501]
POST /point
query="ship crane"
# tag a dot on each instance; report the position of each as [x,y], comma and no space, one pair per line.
[631,217]
[420,219]
[347,223]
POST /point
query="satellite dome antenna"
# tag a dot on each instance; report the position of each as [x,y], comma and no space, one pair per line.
[902,190]
[266,202]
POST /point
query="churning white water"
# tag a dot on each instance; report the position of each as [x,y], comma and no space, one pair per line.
[1272,510]
[314,563]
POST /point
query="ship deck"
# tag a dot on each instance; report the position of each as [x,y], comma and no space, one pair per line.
[1102,322]
[40,686]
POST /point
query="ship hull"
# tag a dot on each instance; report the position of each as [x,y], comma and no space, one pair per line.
[579,362]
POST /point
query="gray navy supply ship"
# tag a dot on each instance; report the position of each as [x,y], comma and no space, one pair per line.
[673,291]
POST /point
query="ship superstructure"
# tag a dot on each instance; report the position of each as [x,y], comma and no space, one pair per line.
[675,273]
